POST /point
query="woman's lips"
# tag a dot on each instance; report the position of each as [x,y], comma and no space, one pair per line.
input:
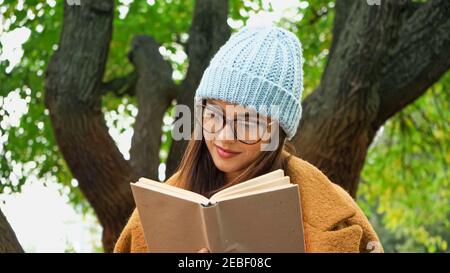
[225,153]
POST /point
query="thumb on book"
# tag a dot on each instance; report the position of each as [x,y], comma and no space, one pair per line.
[203,250]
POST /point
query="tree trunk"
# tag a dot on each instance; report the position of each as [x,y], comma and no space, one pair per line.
[73,98]
[8,239]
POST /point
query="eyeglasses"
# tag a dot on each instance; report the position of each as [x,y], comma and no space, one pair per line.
[248,128]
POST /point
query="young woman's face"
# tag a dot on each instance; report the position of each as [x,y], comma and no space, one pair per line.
[228,153]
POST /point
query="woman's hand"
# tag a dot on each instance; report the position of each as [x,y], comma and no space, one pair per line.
[203,250]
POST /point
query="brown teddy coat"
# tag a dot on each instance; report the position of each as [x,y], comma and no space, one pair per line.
[333,222]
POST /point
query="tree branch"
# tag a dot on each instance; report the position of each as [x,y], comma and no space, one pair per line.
[155,91]
[208,32]
[121,86]
[342,9]
[420,58]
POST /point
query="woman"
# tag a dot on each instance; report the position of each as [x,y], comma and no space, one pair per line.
[248,105]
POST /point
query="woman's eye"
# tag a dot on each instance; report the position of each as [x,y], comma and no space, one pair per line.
[209,114]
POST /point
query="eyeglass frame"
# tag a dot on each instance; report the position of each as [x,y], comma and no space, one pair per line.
[203,103]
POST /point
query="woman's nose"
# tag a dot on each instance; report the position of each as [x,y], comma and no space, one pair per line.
[226,133]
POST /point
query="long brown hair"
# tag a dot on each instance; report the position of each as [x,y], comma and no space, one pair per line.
[198,173]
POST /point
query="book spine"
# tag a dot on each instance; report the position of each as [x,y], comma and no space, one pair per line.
[212,227]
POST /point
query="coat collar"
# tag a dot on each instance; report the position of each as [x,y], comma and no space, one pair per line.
[325,208]
[323,204]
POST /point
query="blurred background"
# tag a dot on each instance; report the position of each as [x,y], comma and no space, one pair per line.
[88,89]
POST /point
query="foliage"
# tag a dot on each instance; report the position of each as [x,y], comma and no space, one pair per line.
[407,172]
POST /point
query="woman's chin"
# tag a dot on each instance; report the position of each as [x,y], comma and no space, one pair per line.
[227,164]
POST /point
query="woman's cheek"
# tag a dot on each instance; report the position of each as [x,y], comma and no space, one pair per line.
[249,156]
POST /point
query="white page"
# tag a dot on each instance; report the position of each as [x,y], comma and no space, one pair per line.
[219,199]
[172,191]
[265,177]
[262,185]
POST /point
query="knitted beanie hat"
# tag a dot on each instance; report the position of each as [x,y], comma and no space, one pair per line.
[259,67]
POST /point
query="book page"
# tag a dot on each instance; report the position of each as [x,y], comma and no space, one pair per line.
[252,189]
[269,221]
[172,190]
[245,194]
[263,178]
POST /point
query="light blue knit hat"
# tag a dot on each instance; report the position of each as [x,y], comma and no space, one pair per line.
[259,67]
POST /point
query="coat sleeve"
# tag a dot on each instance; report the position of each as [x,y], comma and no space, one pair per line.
[132,238]
[370,243]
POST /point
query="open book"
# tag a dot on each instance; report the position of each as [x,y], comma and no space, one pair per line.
[262,214]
